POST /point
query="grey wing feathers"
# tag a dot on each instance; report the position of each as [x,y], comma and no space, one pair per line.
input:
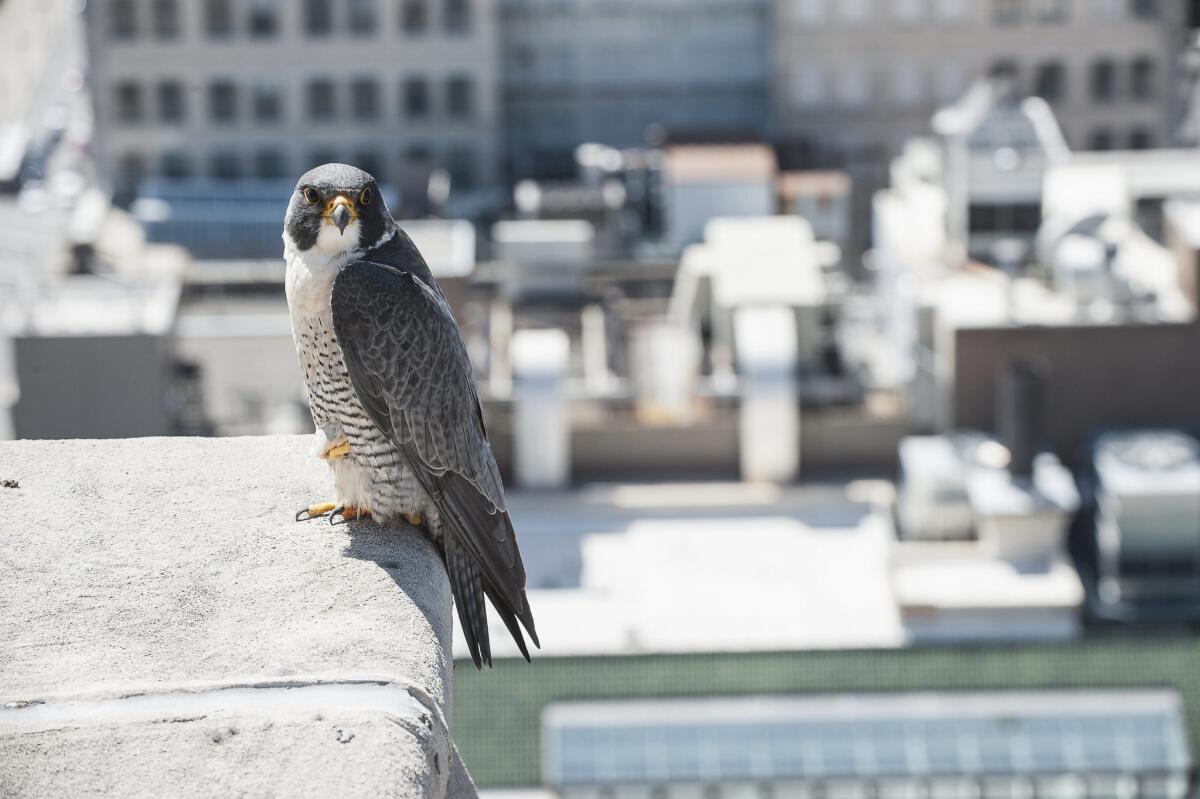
[409,367]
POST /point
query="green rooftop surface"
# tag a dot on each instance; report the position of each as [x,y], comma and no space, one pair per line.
[497,714]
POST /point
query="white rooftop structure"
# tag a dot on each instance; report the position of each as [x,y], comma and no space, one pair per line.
[447,244]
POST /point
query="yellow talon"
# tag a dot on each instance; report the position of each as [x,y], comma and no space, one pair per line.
[339,451]
[313,511]
[413,518]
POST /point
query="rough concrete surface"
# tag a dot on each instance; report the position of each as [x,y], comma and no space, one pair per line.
[167,628]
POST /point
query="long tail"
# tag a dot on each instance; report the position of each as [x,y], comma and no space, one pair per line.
[467,587]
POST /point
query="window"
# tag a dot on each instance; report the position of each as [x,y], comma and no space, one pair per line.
[267,103]
[1006,12]
[131,168]
[1049,10]
[414,16]
[1140,139]
[219,19]
[321,103]
[166,19]
[1144,9]
[457,16]
[416,98]
[1050,83]
[1101,139]
[908,12]
[1142,79]
[809,13]
[270,164]
[362,17]
[225,165]
[364,99]
[460,163]
[123,20]
[264,18]
[460,97]
[172,108]
[129,102]
[318,17]
[1103,81]
[176,164]
[222,101]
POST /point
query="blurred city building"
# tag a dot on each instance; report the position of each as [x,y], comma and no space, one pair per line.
[854,80]
[630,73]
[265,90]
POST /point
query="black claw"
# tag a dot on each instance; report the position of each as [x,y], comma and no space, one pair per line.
[302,515]
[336,512]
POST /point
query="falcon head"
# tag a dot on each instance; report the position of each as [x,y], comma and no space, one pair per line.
[336,208]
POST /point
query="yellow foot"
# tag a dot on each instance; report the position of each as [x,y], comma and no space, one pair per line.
[313,511]
[348,513]
[413,518]
[337,451]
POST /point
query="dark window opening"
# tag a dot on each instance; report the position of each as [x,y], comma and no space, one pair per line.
[318,17]
[1051,82]
[416,98]
[321,102]
[225,165]
[457,16]
[1004,218]
[268,104]
[123,21]
[166,19]
[129,102]
[270,164]
[1103,81]
[176,164]
[222,101]
[264,19]
[219,19]
[414,16]
[460,97]
[364,99]
[172,108]
[362,17]
[1142,79]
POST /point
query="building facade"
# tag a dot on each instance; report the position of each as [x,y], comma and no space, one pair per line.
[232,89]
[854,79]
[625,72]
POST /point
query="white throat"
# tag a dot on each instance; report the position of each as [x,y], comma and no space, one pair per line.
[310,273]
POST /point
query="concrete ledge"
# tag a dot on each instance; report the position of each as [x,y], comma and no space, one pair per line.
[166,628]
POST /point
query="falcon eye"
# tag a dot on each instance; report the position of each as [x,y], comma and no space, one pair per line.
[365,197]
[310,196]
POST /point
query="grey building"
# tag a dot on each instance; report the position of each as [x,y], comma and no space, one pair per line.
[618,72]
[854,79]
[232,89]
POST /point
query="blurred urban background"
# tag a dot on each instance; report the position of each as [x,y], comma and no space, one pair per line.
[841,356]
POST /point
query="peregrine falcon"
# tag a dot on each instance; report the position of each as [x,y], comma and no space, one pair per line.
[392,394]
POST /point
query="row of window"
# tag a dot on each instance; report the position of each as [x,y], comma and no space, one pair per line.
[818,13]
[361,99]
[262,19]
[269,163]
[850,86]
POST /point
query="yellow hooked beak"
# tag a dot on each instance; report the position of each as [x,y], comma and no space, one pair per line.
[340,211]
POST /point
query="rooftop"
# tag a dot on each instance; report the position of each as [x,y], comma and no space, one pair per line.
[165,580]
